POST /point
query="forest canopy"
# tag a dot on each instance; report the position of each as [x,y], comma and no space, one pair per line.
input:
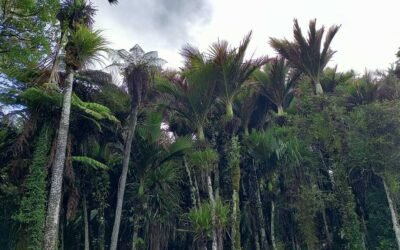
[228,152]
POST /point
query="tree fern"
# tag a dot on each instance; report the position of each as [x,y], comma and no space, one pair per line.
[90,162]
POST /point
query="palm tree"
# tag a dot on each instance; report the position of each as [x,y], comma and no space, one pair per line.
[155,190]
[305,54]
[191,93]
[245,105]
[232,72]
[138,69]
[82,49]
[266,147]
[207,160]
[362,91]
[233,69]
[330,79]
[191,96]
[276,82]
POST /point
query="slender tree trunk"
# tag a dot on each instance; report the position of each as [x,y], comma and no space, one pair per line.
[197,191]
[261,219]
[257,241]
[364,227]
[192,187]
[395,220]
[260,213]
[235,233]
[122,180]
[54,200]
[213,216]
[216,181]
[102,229]
[135,234]
[220,236]
[235,165]
[86,222]
[326,227]
[273,240]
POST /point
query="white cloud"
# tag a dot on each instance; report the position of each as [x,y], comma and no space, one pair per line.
[368,38]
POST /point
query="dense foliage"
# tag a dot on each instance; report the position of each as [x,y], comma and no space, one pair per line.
[264,153]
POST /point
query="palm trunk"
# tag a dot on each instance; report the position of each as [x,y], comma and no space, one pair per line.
[213,216]
[261,218]
[122,180]
[364,227]
[326,227]
[229,110]
[200,133]
[86,222]
[102,229]
[235,233]
[135,234]
[273,241]
[395,220]
[220,236]
[197,191]
[216,181]
[318,88]
[256,241]
[246,130]
[260,212]
[192,187]
[235,165]
[54,201]
[280,110]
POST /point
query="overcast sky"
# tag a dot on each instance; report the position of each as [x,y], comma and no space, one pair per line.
[368,39]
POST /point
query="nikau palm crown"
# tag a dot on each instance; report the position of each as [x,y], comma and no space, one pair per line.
[308,55]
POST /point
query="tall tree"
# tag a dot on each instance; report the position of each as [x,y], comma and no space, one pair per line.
[138,69]
[154,190]
[232,72]
[307,54]
[82,49]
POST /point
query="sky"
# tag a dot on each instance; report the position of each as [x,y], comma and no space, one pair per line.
[369,36]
